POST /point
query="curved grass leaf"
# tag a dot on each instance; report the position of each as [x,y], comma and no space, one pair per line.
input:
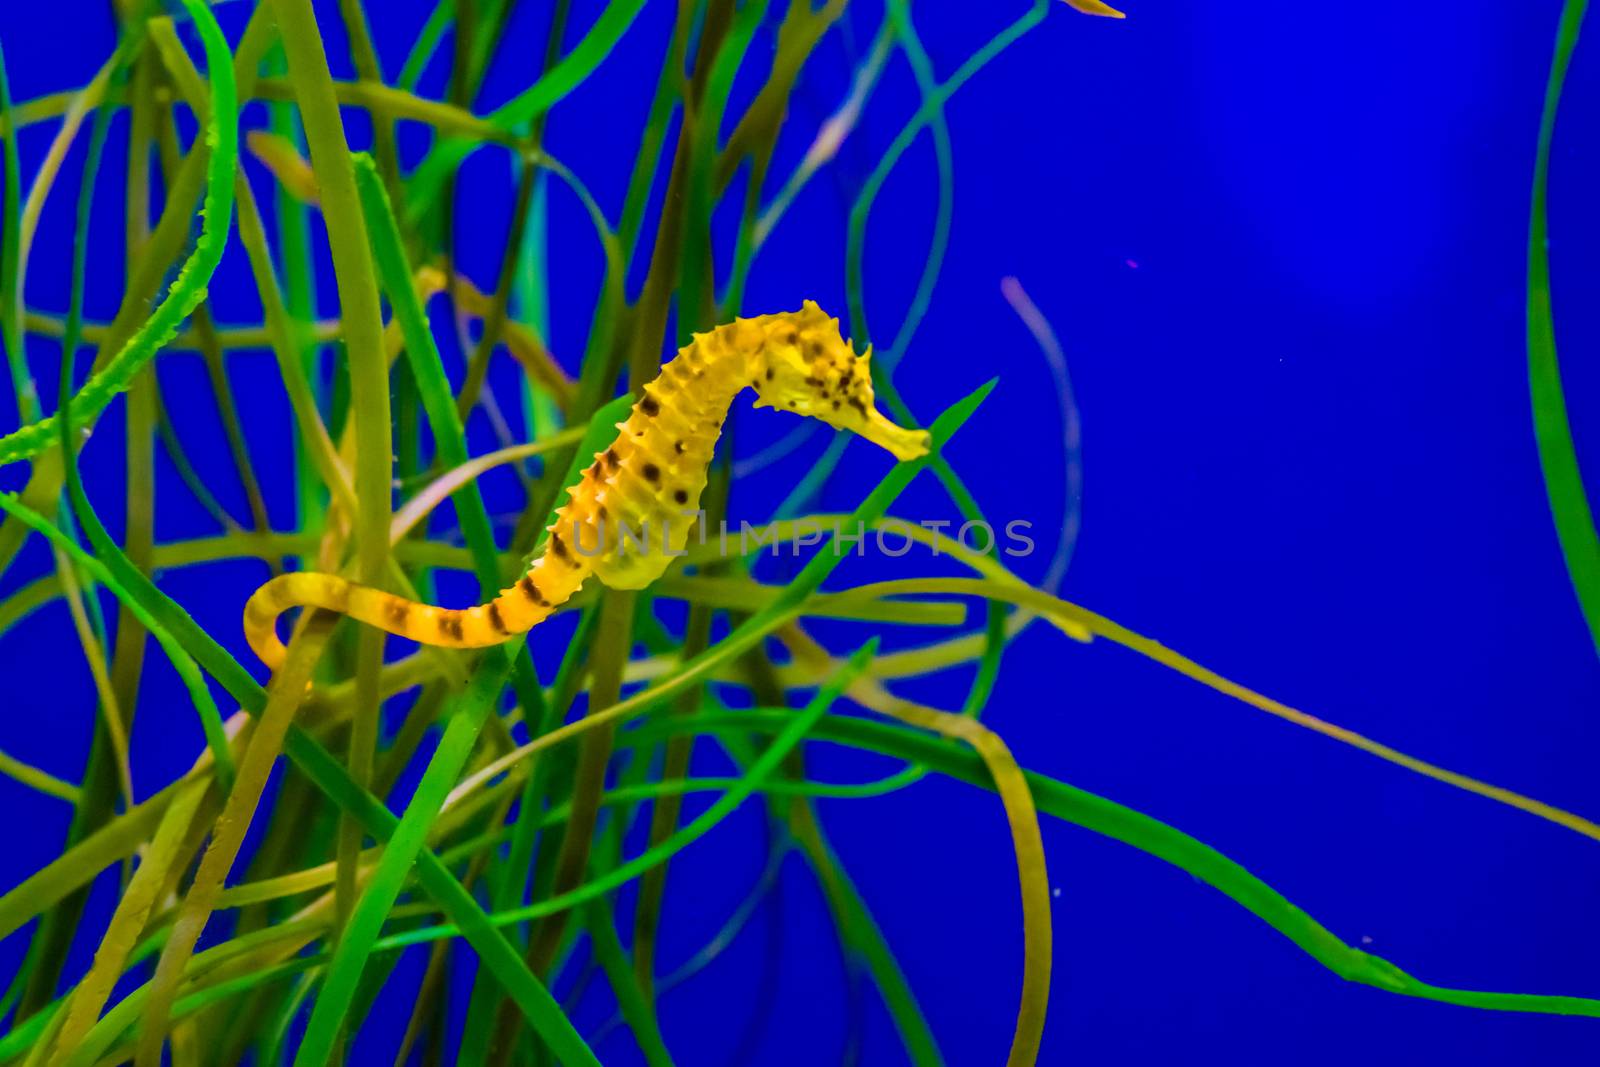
[1563,482]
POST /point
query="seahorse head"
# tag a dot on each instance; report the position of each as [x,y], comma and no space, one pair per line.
[805,366]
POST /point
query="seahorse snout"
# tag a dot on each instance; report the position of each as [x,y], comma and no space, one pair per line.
[900,442]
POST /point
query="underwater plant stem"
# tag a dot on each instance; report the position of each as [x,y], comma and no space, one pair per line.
[1071,428]
[646,162]
[365,58]
[228,337]
[899,13]
[696,276]
[369,373]
[127,661]
[600,922]
[861,935]
[495,321]
[1022,818]
[386,102]
[529,179]
[133,910]
[1112,820]
[139,493]
[422,48]
[266,742]
[755,137]
[664,813]
[39,780]
[448,483]
[313,433]
[228,411]
[608,655]
[49,167]
[1061,611]
[11,295]
[94,656]
[1558,458]
[354,275]
[670,258]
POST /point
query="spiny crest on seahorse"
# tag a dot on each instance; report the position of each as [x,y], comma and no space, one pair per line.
[647,482]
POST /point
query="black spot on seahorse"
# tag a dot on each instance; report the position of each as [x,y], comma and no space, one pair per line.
[612,461]
[651,472]
[856,403]
[397,610]
[495,620]
[649,406]
[559,547]
[531,591]
[450,624]
[681,496]
[771,374]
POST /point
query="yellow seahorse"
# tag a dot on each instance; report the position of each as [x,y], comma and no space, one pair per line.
[634,507]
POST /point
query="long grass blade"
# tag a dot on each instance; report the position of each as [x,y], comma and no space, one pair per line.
[1563,482]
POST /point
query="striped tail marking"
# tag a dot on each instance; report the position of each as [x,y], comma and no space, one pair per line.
[532,599]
